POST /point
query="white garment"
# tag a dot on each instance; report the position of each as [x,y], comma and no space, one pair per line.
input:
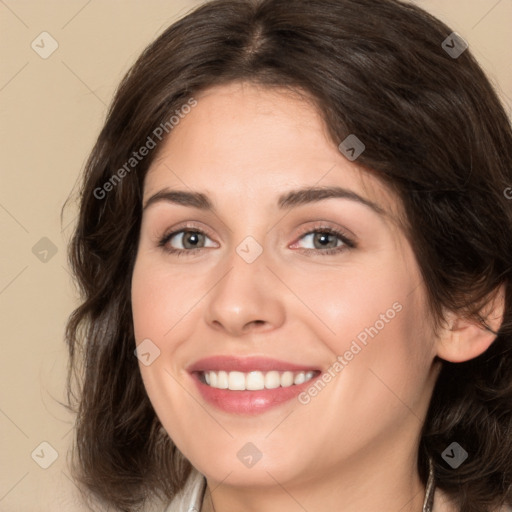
[190,498]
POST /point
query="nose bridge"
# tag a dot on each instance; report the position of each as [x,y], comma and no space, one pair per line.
[245,268]
[244,293]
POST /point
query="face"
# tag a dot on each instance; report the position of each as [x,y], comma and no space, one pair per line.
[309,306]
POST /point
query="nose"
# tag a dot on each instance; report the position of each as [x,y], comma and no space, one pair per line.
[247,297]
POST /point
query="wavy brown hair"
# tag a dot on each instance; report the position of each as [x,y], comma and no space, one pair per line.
[434,130]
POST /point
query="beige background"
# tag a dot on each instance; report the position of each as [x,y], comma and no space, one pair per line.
[51,111]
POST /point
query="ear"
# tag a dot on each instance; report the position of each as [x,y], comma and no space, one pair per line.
[463,339]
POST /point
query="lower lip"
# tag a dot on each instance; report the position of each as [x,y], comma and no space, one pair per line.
[249,402]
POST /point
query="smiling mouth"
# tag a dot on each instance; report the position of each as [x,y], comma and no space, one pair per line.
[255,380]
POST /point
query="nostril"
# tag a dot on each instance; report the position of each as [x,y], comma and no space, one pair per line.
[254,323]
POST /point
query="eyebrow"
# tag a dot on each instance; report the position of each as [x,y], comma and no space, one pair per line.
[286,201]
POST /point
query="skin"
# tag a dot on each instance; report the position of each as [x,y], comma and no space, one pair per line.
[353,446]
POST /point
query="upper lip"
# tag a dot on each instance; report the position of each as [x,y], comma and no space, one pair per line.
[246,364]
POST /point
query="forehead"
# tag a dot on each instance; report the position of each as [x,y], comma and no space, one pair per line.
[244,140]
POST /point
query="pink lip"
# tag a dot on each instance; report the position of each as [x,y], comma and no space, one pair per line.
[246,364]
[247,402]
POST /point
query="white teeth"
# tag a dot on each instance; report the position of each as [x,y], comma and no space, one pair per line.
[287,379]
[299,378]
[222,380]
[272,380]
[236,381]
[256,380]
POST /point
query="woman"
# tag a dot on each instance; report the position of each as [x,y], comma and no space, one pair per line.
[295,247]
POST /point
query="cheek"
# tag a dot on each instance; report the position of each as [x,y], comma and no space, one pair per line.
[159,301]
[376,297]
[373,323]
[162,297]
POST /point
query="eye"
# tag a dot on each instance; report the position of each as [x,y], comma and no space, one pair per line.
[187,240]
[325,241]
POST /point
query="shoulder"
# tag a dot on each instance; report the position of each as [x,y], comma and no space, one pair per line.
[190,498]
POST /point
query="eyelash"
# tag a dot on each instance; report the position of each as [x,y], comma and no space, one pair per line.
[348,243]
